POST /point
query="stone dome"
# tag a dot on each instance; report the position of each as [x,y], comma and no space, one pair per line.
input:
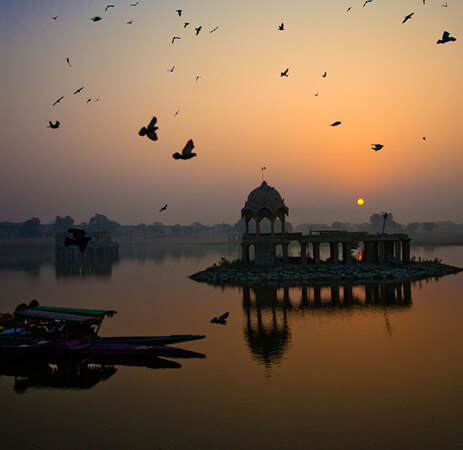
[264,197]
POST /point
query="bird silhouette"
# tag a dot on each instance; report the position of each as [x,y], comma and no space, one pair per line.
[214,29]
[424,138]
[175,37]
[134,4]
[446,38]
[179,12]
[130,22]
[376,147]
[348,9]
[176,112]
[96,18]
[89,100]
[324,75]
[186,24]
[285,73]
[367,1]
[150,130]
[221,320]
[335,124]
[316,94]
[186,152]
[163,208]
[54,125]
[78,90]
[55,17]
[408,17]
[198,77]
[78,239]
[445,5]
[57,101]
[109,6]
[68,61]
[198,30]
[281,27]
[171,70]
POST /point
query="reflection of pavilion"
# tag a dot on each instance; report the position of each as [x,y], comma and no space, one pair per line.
[268,308]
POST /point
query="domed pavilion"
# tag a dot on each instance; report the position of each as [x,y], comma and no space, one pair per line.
[265,202]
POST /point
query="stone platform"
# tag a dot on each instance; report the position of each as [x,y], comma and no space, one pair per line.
[297,274]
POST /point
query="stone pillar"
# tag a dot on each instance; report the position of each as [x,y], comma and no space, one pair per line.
[304,299]
[258,227]
[334,251]
[285,253]
[246,222]
[347,252]
[245,253]
[406,250]
[335,295]
[286,299]
[397,250]
[347,294]
[316,252]
[381,252]
[283,225]
[317,295]
[273,226]
[303,253]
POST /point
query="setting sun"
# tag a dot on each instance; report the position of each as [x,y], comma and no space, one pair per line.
[360,201]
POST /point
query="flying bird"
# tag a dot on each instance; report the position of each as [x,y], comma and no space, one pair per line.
[285,73]
[186,152]
[54,125]
[316,94]
[376,147]
[89,100]
[176,112]
[54,17]
[57,101]
[150,130]
[281,27]
[179,12]
[68,61]
[175,37]
[130,22]
[324,75]
[198,30]
[445,5]
[163,208]
[335,124]
[78,90]
[367,1]
[95,19]
[198,77]
[348,9]
[186,24]
[408,17]
[134,4]
[171,70]
[214,29]
[221,319]
[97,100]
[424,138]
[109,6]
[78,239]
[446,38]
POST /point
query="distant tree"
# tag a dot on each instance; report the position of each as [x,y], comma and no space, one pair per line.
[63,223]
[99,222]
[30,228]
[376,221]
[429,226]
[412,227]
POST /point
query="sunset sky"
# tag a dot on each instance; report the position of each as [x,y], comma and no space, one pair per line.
[387,82]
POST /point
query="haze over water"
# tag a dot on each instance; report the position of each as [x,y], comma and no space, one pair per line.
[332,375]
[387,82]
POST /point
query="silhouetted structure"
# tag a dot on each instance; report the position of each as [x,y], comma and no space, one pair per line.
[265,202]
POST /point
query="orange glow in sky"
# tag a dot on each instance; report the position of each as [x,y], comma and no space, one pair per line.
[386,82]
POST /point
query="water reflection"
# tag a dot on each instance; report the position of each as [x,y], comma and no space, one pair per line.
[76,374]
[267,308]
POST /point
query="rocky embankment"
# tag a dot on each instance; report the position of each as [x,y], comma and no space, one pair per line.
[237,275]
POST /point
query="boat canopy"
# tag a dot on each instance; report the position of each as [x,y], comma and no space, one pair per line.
[78,311]
[54,316]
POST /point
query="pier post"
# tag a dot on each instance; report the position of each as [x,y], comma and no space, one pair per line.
[303,253]
[316,252]
[334,251]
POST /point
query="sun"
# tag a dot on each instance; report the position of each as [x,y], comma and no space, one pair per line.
[360,201]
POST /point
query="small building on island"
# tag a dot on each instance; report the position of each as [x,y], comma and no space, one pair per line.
[265,202]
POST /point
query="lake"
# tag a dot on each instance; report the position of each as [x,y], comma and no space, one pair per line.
[364,367]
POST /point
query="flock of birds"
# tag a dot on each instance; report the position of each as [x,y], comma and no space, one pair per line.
[150,131]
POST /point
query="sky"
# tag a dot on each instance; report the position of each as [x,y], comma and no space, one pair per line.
[388,83]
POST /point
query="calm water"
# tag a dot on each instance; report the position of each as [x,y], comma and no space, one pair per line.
[378,367]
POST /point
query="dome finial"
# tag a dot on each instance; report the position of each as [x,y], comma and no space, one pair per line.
[263,168]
